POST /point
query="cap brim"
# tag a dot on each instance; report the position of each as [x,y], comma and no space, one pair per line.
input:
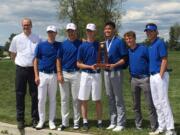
[90,30]
[145,30]
[70,29]
[51,31]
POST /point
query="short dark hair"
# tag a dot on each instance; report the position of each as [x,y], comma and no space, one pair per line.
[112,24]
[130,34]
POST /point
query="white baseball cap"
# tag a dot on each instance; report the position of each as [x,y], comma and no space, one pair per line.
[51,28]
[91,26]
[71,26]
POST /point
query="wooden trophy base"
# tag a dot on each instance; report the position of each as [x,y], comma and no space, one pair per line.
[102,59]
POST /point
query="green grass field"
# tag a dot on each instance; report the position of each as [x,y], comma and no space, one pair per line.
[8,111]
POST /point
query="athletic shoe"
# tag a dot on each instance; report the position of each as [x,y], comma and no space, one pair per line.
[170,132]
[34,123]
[40,125]
[111,127]
[52,126]
[139,128]
[118,128]
[157,132]
[99,125]
[62,127]
[76,126]
[85,126]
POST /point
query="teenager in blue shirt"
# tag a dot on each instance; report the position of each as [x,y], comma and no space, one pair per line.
[46,77]
[159,80]
[69,76]
[117,57]
[139,71]
[90,82]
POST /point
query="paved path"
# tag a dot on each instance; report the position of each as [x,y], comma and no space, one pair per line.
[8,129]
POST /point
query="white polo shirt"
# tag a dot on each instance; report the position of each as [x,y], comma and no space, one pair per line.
[24,47]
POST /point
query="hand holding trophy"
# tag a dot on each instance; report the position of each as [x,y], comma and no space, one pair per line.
[102,59]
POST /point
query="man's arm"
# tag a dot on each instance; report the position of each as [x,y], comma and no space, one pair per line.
[59,71]
[163,66]
[13,55]
[84,66]
[118,63]
[36,71]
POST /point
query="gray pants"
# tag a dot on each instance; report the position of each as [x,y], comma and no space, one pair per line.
[113,83]
[136,86]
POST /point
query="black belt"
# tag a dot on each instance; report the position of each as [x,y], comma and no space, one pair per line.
[139,76]
[47,71]
[91,71]
[24,67]
[167,70]
[153,73]
[70,70]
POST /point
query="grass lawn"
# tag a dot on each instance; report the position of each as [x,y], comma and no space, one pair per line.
[8,111]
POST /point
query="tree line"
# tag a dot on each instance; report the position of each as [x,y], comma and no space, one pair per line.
[174,37]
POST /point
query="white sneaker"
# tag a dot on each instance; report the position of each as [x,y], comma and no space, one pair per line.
[111,127]
[170,132]
[157,132]
[118,128]
[62,127]
[76,126]
[40,125]
[52,125]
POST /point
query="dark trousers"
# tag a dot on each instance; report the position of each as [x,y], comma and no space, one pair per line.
[24,76]
[137,85]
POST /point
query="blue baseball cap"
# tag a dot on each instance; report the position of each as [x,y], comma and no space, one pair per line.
[150,27]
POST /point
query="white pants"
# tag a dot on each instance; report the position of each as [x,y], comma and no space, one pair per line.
[159,91]
[90,83]
[71,84]
[48,85]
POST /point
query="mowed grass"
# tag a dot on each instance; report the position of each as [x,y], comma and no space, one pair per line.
[8,102]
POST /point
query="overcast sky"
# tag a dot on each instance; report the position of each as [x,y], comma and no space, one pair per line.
[44,12]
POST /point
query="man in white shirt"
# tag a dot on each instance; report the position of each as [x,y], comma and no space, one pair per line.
[22,53]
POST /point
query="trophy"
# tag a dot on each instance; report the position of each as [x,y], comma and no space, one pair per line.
[102,59]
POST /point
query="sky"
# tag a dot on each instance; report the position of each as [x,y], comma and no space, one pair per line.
[136,13]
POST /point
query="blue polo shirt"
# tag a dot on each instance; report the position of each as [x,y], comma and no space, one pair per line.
[88,53]
[68,54]
[117,51]
[157,51]
[139,61]
[47,54]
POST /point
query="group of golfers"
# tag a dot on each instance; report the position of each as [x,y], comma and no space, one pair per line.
[72,64]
